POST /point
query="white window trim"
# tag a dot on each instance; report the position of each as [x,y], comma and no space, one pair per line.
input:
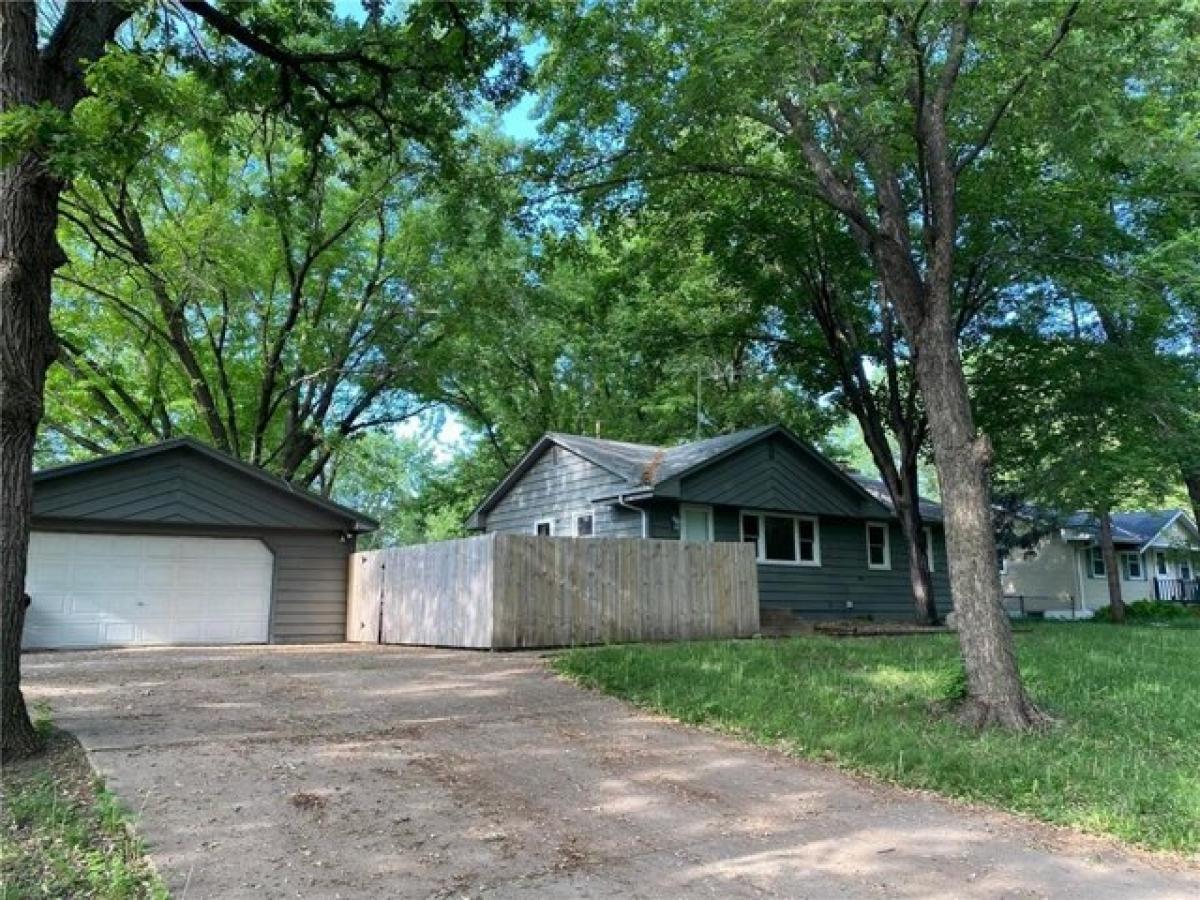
[886,565]
[1004,562]
[761,546]
[576,516]
[549,522]
[702,507]
[1093,554]
[1191,572]
[1125,573]
[929,554]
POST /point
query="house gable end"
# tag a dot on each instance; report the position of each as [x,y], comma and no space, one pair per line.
[775,473]
[551,484]
[178,485]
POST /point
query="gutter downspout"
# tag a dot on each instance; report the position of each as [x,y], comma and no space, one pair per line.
[621,501]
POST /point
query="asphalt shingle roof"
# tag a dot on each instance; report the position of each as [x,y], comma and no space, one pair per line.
[876,488]
[645,465]
[1128,527]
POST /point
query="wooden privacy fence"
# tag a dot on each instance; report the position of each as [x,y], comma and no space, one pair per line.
[504,591]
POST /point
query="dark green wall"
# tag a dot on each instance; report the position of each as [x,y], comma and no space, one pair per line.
[843,577]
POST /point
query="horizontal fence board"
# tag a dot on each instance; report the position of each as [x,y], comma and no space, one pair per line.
[506,591]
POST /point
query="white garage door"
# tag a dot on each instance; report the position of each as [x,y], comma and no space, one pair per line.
[98,590]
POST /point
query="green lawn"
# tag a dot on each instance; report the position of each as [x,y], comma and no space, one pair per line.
[63,834]
[1124,758]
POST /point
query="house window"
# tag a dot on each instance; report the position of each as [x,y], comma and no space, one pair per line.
[1002,560]
[879,551]
[793,540]
[1132,563]
[1160,563]
[1096,556]
[584,525]
[544,527]
[1185,569]
[929,554]
[695,523]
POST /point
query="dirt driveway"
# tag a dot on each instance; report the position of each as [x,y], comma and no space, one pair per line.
[390,772]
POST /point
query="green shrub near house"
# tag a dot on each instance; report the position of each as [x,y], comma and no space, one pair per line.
[1152,611]
[1123,758]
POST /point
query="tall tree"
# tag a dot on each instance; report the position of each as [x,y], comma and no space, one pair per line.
[885,113]
[249,290]
[409,77]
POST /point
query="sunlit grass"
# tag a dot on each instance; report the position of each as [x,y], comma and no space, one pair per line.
[1124,758]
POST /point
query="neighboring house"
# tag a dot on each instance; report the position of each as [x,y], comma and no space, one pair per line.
[1064,574]
[826,546]
[178,543]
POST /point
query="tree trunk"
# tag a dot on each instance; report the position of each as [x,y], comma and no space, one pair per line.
[29,254]
[963,457]
[920,580]
[1192,481]
[1108,550]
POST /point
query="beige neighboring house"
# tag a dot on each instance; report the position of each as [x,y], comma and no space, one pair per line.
[1064,576]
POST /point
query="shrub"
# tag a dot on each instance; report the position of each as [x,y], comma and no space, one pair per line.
[1149,611]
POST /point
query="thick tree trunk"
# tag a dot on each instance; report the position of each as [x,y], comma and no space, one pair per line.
[29,254]
[963,457]
[1108,550]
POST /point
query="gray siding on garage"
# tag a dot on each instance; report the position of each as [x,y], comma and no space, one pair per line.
[181,490]
[557,486]
[179,487]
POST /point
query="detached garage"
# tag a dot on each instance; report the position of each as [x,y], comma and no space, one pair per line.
[179,543]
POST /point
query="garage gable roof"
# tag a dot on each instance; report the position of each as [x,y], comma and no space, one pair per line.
[183,481]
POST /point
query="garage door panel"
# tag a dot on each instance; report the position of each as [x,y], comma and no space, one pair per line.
[109,590]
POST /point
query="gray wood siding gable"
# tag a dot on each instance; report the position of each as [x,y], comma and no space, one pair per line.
[558,485]
[175,487]
[774,474]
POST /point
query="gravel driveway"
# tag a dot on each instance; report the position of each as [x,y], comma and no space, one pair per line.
[343,771]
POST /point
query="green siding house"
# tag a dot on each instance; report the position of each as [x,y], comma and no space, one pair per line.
[828,544]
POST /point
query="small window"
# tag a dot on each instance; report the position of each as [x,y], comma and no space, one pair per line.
[929,551]
[583,525]
[1097,563]
[544,527]
[1002,560]
[1185,569]
[1133,566]
[879,551]
[1160,563]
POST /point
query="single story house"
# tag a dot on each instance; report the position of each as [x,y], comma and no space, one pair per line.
[178,543]
[1064,575]
[826,546]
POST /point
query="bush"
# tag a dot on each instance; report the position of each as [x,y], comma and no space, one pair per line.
[1149,611]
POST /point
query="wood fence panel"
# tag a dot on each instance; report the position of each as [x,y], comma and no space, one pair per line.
[506,591]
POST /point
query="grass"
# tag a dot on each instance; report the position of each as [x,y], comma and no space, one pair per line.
[63,834]
[1123,760]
